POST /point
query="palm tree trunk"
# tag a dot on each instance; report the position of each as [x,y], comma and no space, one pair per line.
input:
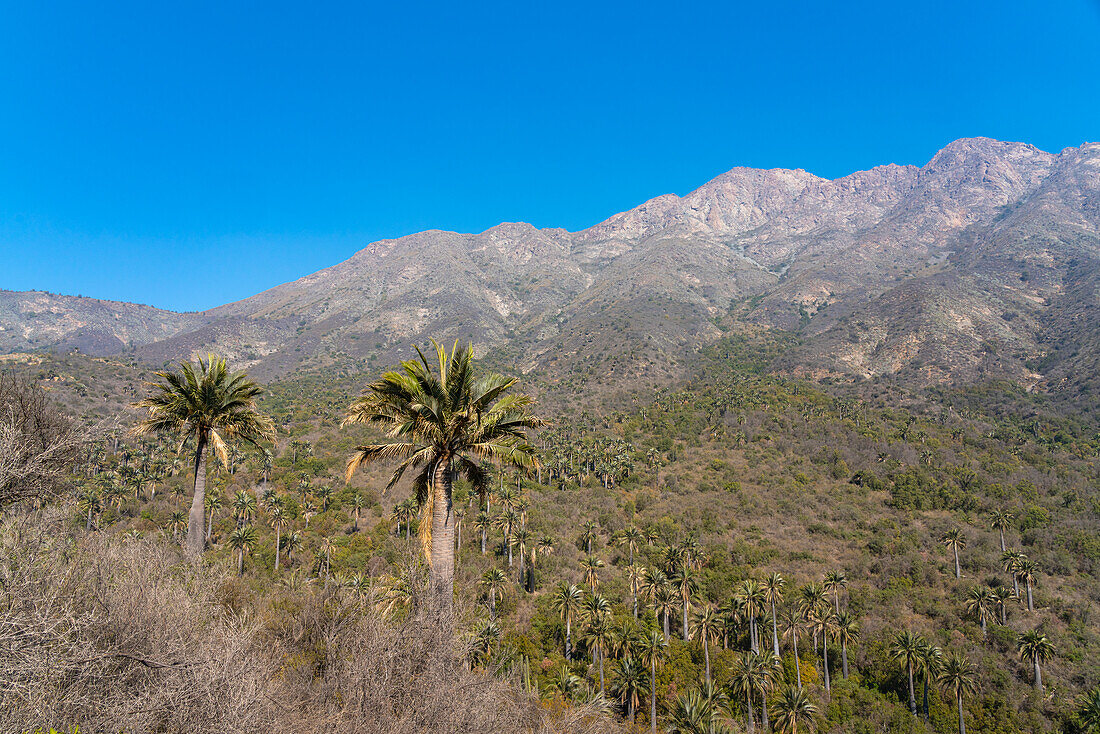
[599,655]
[665,615]
[844,656]
[240,562]
[88,525]
[685,622]
[748,710]
[958,572]
[1002,540]
[443,549]
[568,637]
[825,660]
[492,604]
[794,649]
[706,656]
[483,541]
[653,696]
[1016,585]
[277,529]
[926,676]
[775,633]
[912,695]
[1030,603]
[209,526]
[1038,679]
[962,724]
[764,712]
[195,541]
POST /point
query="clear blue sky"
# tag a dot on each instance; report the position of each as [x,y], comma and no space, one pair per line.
[189,154]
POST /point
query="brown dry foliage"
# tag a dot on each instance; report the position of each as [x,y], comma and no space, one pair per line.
[121,634]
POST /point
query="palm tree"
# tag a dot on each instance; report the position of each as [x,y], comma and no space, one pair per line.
[243,540]
[292,543]
[696,712]
[588,535]
[773,593]
[279,520]
[545,548]
[752,676]
[213,502]
[358,504]
[791,708]
[596,637]
[507,521]
[631,539]
[980,603]
[957,675]
[636,575]
[705,627]
[999,520]
[89,502]
[1088,711]
[177,520]
[567,602]
[1028,569]
[823,622]
[441,425]
[953,539]
[834,582]
[244,507]
[483,522]
[1037,647]
[906,648]
[847,631]
[665,602]
[212,407]
[1000,596]
[1010,561]
[520,540]
[653,652]
[684,583]
[495,583]
[628,685]
[792,621]
[592,566]
[929,662]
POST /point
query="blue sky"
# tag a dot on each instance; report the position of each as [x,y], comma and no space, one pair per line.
[191,154]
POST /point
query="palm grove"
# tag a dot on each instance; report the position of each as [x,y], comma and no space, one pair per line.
[623,610]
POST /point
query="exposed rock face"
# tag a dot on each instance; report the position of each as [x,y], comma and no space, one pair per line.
[978,263]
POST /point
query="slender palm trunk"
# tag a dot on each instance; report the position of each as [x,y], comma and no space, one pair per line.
[665,615]
[794,649]
[209,526]
[764,711]
[1003,549]
[958,571]
[483,541]
[844,657]
[492,604]
[599,656]
[962,724]
[443,550]
[1038,677]
[825,660]
[195,541]
[1015,585]
[925,707]
[753,642]
[88,525]
[1030,602]
[240,562]
[775,633]
[277,538]
[653,696]
[706,656]
[568,637]
[685,621]
[912,695]
[748,711]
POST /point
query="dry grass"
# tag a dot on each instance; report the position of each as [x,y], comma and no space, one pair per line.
[120,634]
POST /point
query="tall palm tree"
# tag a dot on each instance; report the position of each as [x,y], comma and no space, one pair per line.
[792,622]
[278,520]
[242,540]
[521,539]
[244,507]
[705,627]
[929,662]
[483,523]
[1000,520]
[834,582]
[685,585]
[495,583]
[793,707]
[1028,570]
[752,676]
[629,677]
[823,623]
[698,711]
[358,504]
[1000,596]
[592,566]
[209,406]
[847,631]
[665,601]
[652,651]
[980,604]
[636,575]
[442,421]
[630,538]
[597,635]
[954,539]
[567,602]
[292,543]
[905,648]
[773,593]
[1036,647]
[957,675]
[177,520]
[1010,561]
[545,548]
[213,502]
[588,534]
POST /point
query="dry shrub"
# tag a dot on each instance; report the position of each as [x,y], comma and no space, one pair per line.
[121,634]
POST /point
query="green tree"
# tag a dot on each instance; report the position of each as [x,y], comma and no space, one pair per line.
[1037,648]
[1088,711]
[1028,570]
[981,604]
[957,676]
[567,601]
[906,649]
[929,662]
[847,632]
[1000,520]
[629,678]
[773,593]
[442,422]
[954,540]
[278,521]
[704,627]
[833,583]
[495,583]
[653,652]
[242,540]
[791,708]
[209,406]
[592,566]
